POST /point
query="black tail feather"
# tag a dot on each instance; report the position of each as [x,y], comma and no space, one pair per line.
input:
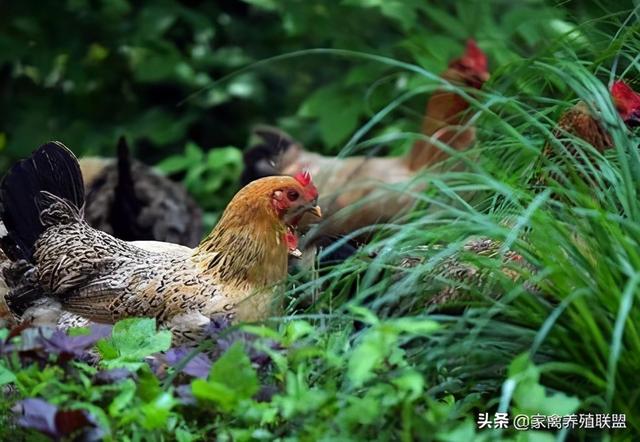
[52,168]
[261,159]
[126,205]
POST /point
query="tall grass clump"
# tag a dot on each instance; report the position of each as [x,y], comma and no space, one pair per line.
[563,315]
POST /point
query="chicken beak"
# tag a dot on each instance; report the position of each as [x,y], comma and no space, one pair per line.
[316,211]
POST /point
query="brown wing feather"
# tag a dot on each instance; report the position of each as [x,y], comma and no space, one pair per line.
[576,122]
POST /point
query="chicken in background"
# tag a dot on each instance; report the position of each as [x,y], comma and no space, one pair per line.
[580,122]
[345,182]
[87,272]
[132,201]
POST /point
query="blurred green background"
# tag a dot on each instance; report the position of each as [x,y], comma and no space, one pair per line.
[181,78]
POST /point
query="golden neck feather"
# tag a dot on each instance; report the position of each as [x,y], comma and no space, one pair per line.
[247,245]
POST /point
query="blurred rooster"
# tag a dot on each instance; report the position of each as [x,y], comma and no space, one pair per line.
[231,274]
[131,201]
[345,181]
[581,122]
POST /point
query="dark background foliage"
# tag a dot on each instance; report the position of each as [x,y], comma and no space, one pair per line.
[87,71]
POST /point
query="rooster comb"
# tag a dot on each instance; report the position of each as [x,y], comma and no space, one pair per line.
[473,59]
[304,177]
[474,54]
[626,99]
[621,90]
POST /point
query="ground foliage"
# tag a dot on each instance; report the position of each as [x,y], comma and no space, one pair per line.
[365,355]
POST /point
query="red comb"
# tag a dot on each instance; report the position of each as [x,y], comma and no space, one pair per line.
[475,55]
[304,178]
[626,99]
[620,89]
[473,60]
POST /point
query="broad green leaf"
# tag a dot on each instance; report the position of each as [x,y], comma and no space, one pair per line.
[234,369]
[156,412]
[368,355]
[232,379]
[215,392]
[337,112]
[148,384]
[6,376]
[132,340]
[173,164]
[532,397]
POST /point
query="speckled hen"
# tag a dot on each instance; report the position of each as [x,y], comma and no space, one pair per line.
[132,201]
[231,274]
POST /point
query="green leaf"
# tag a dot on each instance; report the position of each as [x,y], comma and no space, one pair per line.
[363,411]
[157,411]
[234,370]
[106,349]
[465,431]
[296,330]
[173,164]
[269,5]
[79,331]
[124,398]
[413,326]
[368,355]
[364,314]
[215,392]
[531,397]
[132,340]
[337,110]
[6,375]
[232,379]
[148,384]
[185,436]
[410,382]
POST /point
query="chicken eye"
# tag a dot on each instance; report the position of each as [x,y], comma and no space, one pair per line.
[292,195]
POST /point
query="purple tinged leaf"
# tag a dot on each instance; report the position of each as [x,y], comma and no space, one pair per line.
[62,344]
[40,415]
[224,340]
[68,422]
[266,393]
[199,366]
[111,376]
[216,326]
[185,395]
[37,415]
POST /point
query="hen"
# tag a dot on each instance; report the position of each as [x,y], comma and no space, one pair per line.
[345,182]
[231,274]
[580,122]
[131,201]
